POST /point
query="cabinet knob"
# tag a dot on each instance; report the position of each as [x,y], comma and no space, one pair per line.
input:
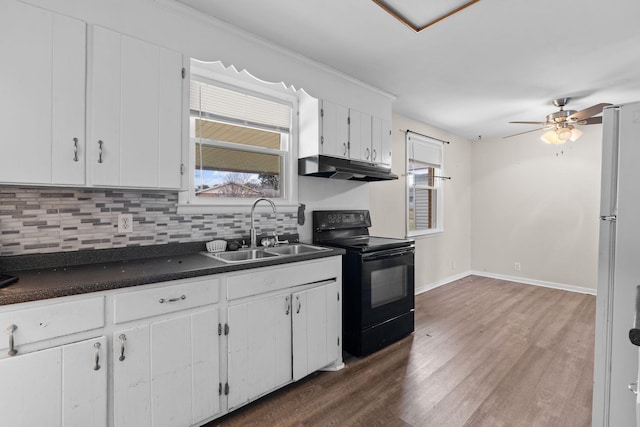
[633,387]
[367,156]
[288,301]
[374,155]
[10,330]
[299,304]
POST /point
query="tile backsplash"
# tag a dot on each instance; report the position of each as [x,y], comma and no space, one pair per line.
[59,220]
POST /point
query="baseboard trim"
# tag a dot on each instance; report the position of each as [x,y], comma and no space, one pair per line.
[526,281]
[429,286]
[535,282]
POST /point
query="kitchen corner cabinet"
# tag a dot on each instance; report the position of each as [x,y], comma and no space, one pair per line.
[42,96]
[59,386]
[134,115]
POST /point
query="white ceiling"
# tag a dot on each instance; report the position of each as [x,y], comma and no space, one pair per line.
[494,62]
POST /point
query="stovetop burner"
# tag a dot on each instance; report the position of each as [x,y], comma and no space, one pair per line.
[350,230]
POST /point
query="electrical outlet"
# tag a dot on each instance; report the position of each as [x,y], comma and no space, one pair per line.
[125,223]
[516,266]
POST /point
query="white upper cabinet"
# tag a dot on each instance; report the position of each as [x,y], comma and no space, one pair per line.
[324,128]
[334,130]
[42,95]
[135,112]
[381,141]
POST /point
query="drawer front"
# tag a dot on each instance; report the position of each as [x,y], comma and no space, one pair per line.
[166,299]
[270,279]
[52,321]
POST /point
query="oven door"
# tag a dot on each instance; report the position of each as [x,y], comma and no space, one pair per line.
[387,285]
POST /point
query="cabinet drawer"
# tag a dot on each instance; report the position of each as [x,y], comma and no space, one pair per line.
[53,320]
[166,299]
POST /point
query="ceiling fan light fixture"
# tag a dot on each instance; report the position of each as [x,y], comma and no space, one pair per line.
[563,133]
[551,137]
[575,134]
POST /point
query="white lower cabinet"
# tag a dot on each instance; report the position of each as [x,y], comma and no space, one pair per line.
[280,338]
[166,373]
[172,354]
[259,347]
[315,328]
[59,386]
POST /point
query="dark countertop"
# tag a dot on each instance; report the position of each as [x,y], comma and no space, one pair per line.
[72,278]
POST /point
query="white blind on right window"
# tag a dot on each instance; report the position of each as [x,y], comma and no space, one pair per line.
[424,185]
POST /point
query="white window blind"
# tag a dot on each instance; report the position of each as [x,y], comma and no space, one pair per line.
[216,102]
[424,185]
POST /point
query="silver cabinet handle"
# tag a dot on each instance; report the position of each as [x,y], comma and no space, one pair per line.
[633,387]
[181,297]
[100,151]
[96,366]
[288,305]
[345,148]
[367,154]
[374,155]
[75,149]
[299,304]
[10,330]
[122,339]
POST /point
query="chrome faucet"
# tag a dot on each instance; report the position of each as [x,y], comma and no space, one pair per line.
[253,227]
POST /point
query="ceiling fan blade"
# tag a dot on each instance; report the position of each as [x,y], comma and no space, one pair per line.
[588,112]
[527,131]
[530,123]
[590,121]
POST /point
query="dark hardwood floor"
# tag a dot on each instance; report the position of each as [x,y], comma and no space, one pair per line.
[485,352]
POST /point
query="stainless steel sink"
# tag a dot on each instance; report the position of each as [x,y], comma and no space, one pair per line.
[295,249]
[250,255]
[243,255]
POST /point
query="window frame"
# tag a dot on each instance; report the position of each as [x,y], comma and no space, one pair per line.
[228,78]
[410,139]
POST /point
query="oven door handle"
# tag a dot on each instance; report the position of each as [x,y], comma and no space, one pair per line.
[389,253]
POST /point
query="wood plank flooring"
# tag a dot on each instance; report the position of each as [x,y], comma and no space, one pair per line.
[485,352]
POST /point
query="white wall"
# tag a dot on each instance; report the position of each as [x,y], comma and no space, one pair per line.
[440,257]
[538,205]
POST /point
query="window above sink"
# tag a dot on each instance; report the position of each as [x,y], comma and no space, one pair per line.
[242,140]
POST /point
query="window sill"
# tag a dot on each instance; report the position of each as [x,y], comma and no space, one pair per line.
[424,235]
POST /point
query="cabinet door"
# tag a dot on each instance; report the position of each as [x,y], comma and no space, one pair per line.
[259,347]
[385,142]
[56,387]
[359,135]
[84,383]
[41,96]
[381,141]
[315,329]
[136,112]
[335,129]
[168,372]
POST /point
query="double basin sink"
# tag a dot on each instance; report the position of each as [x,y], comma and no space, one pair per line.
[249,255]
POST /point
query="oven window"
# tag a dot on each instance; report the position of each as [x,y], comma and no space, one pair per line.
[388,285]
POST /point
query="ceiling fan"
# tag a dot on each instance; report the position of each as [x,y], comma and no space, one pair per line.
[562,124]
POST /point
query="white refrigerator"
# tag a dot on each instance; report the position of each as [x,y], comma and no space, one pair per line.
[616,358]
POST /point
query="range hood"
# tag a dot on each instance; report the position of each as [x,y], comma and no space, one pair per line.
[337,168]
